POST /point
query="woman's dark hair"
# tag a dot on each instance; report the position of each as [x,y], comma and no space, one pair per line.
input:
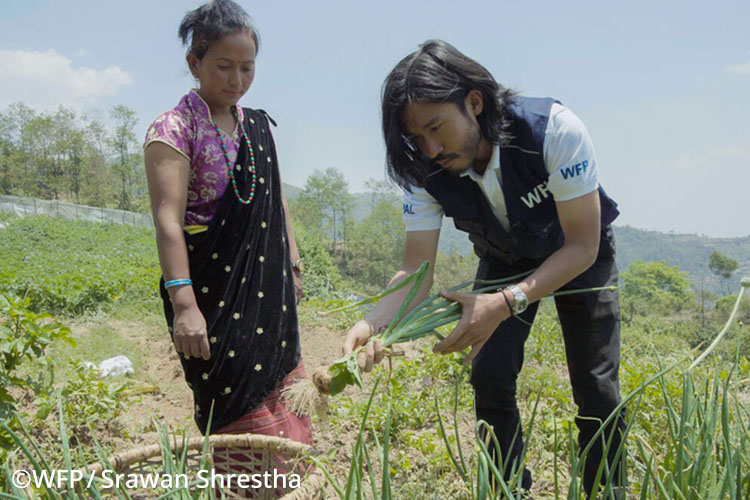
[437,72]
[206,24]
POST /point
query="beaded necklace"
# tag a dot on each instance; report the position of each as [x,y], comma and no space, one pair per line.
[229,163]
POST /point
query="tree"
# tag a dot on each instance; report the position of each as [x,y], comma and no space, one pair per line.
[123,141]
[15,177]
[307,211]
[723,267]
[321,276]
[11,167]
[656,287]
[99,185]
[377,247]
[326,196]
[63,155]
[704,296]
[69,149]
[11,158]
[379,191]
[39,144]
[724,306]
[14,120]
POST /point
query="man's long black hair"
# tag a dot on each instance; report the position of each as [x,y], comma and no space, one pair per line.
[436,72]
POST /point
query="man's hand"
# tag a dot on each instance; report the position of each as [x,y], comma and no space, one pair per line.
[189,335]
[480,316]
[359,335]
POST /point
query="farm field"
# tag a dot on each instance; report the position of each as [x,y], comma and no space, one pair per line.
[99,281]
[286,142]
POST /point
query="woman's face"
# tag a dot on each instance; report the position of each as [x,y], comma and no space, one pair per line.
[226,71]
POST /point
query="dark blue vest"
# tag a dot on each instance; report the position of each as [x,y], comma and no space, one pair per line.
[535,231]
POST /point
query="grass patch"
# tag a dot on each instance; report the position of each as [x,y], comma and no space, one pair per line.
[100,342]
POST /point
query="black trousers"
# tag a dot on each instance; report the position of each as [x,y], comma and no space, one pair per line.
[591,330]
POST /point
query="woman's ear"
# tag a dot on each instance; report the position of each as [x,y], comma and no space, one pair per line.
[193,63]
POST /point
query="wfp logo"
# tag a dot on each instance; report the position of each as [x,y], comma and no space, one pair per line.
[577,169]
[536,195]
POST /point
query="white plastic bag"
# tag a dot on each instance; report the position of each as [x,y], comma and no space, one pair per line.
[119,365]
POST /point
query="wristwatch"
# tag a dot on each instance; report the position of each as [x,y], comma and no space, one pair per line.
[520,302]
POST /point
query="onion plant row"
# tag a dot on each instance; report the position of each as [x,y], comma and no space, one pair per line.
[708,455]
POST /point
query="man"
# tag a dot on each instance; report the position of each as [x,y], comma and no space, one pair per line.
[520,176]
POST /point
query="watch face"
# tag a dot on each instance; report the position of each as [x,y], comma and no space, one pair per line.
[521,305]
[521,301]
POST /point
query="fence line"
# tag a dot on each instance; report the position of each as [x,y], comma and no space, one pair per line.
[23,207]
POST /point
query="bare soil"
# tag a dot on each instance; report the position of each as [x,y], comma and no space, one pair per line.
[164,395]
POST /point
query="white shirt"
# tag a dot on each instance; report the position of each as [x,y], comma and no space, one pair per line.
[568,156]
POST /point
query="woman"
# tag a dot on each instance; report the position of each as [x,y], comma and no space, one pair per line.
[225,240]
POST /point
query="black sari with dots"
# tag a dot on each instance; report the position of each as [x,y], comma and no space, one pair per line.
[243,283]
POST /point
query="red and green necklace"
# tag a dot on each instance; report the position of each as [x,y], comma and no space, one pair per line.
[229,162]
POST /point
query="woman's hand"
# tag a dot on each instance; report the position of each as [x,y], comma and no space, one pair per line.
[359,335]
[298,288]
[189,333]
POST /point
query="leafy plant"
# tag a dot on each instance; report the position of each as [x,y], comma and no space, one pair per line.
[74,267]
[88,400]
[321,276]
[24,338]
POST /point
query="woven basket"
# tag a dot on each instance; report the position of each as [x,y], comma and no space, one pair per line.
[254,453]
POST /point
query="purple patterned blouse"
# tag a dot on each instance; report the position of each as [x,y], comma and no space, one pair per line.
[187,128]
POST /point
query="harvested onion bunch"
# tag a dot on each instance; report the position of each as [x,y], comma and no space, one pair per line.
[423,320]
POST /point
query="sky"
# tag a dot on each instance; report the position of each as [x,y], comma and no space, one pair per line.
[662,86]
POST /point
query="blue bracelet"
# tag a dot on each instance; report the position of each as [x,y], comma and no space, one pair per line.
[170,284]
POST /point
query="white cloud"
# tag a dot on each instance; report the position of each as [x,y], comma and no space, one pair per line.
[728,156]
[740,69]
[43,79]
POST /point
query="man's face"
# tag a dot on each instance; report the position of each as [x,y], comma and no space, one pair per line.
[444,132]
